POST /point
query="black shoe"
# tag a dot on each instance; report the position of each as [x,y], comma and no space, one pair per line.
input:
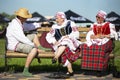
[99,74]
[54,60]
[70,74]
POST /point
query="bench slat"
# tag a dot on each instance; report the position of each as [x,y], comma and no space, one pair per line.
[12,54]
[80,29]
[83,29]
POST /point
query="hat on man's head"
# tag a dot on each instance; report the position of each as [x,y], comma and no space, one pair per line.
[61,14]
[101,14]
[23,12]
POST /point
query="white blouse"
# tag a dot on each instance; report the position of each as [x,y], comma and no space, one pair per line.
[15,33]
[113,34]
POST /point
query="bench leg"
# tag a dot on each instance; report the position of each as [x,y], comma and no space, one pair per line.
[39,61]
[6,66]
[111,65]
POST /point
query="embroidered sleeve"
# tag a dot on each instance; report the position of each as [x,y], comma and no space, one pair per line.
[74,29]
[50,36]
[75,32]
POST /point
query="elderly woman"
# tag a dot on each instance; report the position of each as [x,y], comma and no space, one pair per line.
[63,37]
[95,53]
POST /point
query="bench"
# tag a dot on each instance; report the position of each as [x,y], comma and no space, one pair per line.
[11,54]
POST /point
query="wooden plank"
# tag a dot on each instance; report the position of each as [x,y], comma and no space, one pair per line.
[83,29]
[12,54]
[82,39]
[83,35]
[43,29]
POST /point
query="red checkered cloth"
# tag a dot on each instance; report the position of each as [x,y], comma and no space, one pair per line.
[69,55]
[96,57]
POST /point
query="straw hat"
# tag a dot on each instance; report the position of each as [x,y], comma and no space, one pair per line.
[23,12]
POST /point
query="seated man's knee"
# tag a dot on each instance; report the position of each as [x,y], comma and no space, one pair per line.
[33,50]
[29,48]
[35,36]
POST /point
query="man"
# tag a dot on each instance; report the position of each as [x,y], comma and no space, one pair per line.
[18,41]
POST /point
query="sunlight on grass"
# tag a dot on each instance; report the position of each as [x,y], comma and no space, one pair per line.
[2,46]
[117,48]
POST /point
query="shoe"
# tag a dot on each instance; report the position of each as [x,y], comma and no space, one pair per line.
[70,74]
[27,74]
[99,74]
[54,60]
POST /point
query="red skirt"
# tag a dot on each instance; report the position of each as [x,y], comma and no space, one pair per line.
[95,57]
[69,55]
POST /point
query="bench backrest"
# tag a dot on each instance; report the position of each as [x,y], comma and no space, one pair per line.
[82,30]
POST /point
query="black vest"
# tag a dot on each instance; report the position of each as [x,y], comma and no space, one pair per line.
[63,31]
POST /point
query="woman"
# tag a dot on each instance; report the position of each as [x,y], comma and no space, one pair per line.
[95,53]
[63,37]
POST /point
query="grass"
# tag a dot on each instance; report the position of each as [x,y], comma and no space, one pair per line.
[117,54]
[17,64]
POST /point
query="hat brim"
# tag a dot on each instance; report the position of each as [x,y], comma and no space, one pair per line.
[24,16]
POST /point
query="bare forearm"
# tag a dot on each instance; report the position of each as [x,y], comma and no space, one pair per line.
[99,36]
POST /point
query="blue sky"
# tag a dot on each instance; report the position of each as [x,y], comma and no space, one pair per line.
[86,8]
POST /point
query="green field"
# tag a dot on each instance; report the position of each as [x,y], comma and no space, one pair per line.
[17,64]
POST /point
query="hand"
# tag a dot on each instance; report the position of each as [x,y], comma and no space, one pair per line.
[102,36]
[56,43]
[97,36]
[66,37]
[40,51]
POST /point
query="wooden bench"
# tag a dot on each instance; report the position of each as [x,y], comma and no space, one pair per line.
[11,54]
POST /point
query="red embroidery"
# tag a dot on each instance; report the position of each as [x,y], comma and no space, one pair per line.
[102,29]
[51,31]
[74,29]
